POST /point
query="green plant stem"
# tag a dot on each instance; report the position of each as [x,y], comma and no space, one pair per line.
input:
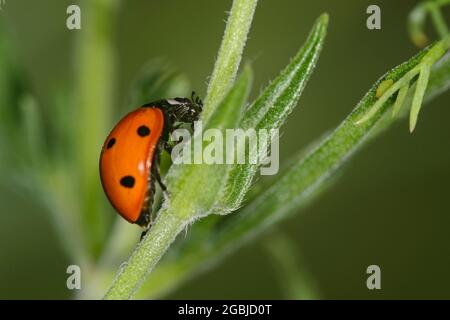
[293,189]
[230,54]
[400,100]
[167,226]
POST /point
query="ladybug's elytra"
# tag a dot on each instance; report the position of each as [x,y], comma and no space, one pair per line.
[129,160]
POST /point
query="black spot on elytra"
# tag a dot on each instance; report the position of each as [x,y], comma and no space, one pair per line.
[143,131]
[127,181]
[111,142]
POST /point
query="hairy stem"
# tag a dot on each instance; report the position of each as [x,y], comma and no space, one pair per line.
[230,54]
[146,256]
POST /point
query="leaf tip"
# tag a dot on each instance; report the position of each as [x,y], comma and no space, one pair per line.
[412,123]
[247,71]
[324,18]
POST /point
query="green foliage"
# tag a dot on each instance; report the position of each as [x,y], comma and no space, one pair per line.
[208,200]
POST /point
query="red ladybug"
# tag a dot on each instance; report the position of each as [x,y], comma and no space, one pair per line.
[129,160]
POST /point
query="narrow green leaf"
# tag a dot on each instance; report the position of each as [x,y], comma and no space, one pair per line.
[419,94]
[432,56]
[270,110]
[400,100]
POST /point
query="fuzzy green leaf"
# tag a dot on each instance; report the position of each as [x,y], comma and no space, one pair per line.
[270,110]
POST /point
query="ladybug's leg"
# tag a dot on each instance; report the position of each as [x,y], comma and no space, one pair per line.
[143,234]
[149,215]
[155,172]
[168,147]
[157,176]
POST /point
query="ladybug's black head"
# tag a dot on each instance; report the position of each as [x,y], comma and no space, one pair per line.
[185,109]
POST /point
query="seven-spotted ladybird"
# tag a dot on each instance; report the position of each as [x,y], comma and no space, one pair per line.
[129,160]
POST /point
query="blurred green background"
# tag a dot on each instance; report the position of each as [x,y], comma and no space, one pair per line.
[390,206]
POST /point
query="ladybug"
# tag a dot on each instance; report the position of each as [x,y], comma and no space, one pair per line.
[129,160]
